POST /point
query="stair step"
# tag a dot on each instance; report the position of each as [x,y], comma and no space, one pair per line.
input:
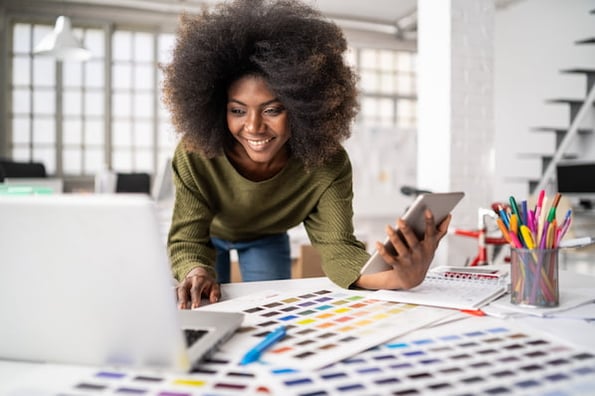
[562,130]
[590,40]
[589,73]
[545,157]
[572,102]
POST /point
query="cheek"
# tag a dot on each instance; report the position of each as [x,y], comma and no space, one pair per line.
[232,124]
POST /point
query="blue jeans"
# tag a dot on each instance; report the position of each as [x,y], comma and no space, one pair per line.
[262,259]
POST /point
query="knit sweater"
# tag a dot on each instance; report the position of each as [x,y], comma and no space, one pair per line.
[213,199]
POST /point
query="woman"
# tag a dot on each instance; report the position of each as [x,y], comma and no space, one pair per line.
[263,100]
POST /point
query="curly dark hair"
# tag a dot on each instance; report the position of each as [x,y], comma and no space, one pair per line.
[297,51]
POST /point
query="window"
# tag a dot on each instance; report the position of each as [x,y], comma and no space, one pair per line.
[388,86]
[77,117]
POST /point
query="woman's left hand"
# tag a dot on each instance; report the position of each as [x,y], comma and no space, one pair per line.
[413,257]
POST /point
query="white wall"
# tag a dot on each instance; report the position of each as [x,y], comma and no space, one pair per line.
[534,41]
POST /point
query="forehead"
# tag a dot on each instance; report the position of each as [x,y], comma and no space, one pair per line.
[250,85]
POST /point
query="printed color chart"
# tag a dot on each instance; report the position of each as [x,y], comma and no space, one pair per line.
[323,326]
[475,360]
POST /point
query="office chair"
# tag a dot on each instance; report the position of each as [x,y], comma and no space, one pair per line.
[133,183]
[10,169]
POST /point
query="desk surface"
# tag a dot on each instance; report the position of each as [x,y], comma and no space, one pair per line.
[18,379]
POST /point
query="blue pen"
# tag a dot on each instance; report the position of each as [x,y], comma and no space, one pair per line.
[254,354]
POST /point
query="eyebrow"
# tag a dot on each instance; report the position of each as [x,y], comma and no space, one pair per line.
[275,100]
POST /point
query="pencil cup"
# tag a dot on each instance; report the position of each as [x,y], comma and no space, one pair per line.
[534,277]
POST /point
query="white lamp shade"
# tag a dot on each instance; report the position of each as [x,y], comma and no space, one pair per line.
[61,43]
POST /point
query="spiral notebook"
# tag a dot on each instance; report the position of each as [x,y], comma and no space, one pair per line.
[453,287]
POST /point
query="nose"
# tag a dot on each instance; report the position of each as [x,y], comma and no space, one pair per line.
[253,122]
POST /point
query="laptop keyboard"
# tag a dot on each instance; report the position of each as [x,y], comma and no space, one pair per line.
[193,335]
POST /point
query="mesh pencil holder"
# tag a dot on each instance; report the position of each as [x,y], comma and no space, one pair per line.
[534,277]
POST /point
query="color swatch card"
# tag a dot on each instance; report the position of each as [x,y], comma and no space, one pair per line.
[484,358]
[323,326]
[451,289]
[216,376]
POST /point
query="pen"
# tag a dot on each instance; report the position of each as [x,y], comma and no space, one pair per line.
[577,242]
[254,354]
[552,214]
[515,208]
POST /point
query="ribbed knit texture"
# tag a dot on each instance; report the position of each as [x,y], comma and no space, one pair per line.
[212,198]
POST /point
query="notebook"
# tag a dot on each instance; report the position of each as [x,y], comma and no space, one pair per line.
[467,288]
[85,279]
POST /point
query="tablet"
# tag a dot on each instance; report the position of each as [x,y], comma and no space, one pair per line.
[441,204]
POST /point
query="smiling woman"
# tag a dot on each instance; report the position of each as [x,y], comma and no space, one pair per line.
[263,99]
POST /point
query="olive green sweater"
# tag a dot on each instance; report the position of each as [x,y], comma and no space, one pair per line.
[212,198]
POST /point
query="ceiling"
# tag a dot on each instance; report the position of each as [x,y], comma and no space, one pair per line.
[395,17]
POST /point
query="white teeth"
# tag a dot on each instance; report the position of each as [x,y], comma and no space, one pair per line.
[259,142]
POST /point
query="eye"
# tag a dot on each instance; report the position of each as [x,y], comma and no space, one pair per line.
[274,111]
[236,111]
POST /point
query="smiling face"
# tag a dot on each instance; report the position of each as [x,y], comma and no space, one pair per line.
[258,122]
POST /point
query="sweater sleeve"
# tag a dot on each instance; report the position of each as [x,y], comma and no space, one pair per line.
[189,243]
[330,229]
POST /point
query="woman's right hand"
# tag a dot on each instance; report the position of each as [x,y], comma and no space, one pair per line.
[194,286]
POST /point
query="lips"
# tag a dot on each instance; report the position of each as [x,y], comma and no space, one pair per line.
[259,143]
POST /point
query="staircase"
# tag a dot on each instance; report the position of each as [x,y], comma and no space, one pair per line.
[579,110]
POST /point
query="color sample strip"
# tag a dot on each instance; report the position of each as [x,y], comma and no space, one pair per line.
[325,326]
[482,360]
[216,376]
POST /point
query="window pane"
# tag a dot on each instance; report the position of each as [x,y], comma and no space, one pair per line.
[72,161]
[121,105]
[94,104]
[122,45]
[387,83]
[95,42]
[166,43]
[20,130]
[44,72]
[93,160]
[40,31]
[44,102]
[386,60]
[94,74]
[122,76]
[369,81]
[21,69]
[72,103]
[122,134]
[21,101]
[143,134]
[143,105]
[44,131]
[122,160]
[368,59]
[46,155]
[21,38]
[143,47]
[21,153]
[144,161]
[143,77]
[72,132]
[72,75]
[94,132]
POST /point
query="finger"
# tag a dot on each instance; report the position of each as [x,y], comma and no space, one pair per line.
[443,227]
[215,293]
[182,294]
[396,239]
[196,291]
[409,235]
[430,223]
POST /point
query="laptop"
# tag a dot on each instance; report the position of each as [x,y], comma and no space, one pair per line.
[85,279]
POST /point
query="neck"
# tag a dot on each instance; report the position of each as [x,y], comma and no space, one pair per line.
[256,171]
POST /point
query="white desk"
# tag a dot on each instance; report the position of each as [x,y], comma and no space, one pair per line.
[18,379]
